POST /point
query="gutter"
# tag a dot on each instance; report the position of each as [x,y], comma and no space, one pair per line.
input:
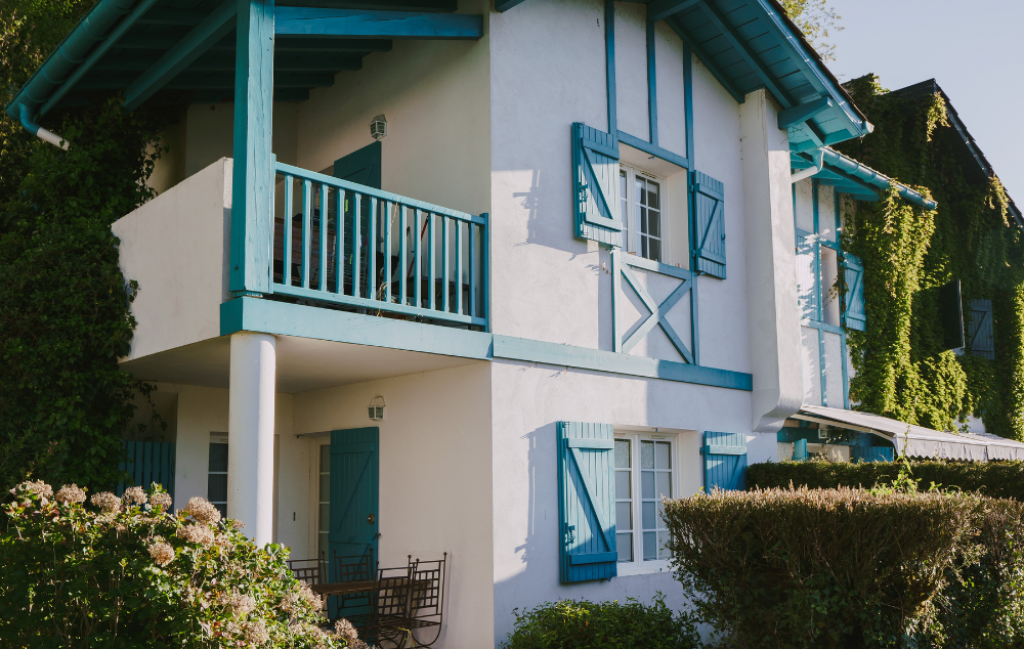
[39,131]
[63,61]
[850,167]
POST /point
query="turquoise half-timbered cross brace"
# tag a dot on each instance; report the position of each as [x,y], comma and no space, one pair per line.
[621,268]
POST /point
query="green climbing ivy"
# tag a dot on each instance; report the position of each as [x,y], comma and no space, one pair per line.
[902,367]
[64,303]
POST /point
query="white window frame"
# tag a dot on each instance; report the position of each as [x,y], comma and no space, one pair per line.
[216,438]
[318,499]
[638,565]
[631,220]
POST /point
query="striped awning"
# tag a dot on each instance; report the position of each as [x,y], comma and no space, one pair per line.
[917,441]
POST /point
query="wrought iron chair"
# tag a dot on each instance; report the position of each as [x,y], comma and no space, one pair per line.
[410,604]
[356,607]
[308,571]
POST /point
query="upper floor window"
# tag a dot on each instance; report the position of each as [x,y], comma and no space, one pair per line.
[642,206]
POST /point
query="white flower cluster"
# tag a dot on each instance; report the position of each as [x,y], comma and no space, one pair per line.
[162,553]
[196,533]
[70,494]
[292,602]
[106,501]
[38,487]
[161,500]
[256,633]
[134,496]
[239,605]
[344,630]
[202,510]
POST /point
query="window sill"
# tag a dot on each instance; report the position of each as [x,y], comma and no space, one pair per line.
[651,568]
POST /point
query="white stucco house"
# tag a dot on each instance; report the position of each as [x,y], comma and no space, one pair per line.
[471,277]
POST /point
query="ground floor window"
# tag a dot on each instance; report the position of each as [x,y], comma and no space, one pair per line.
[217,480]
[644,472]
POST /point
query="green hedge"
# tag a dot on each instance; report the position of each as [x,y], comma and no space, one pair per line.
[602,625]
[852,568]
[995,479]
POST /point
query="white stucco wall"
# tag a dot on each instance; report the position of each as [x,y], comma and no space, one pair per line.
[529,400]
[435,477]
[175,247]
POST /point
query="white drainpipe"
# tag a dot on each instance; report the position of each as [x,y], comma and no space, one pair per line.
[819,164]
[39,131]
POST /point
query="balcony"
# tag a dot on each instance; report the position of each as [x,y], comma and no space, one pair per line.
[342,245]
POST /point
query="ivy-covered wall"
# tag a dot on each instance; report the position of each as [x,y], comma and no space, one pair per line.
[903,368]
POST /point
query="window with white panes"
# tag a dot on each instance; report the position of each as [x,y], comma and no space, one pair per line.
[217,477]
[644,473]
[324,500]
[642,205]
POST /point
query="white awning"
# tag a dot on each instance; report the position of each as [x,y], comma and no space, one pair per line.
[917,441]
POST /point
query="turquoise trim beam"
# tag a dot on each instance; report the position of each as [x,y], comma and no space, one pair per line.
[803,112]
[609,63]
[688,117]
[253,173]
[535,351]
[662,9]
[283,319]
[113,38]
[314,21]
[653,149]
[202,37]
[652,84]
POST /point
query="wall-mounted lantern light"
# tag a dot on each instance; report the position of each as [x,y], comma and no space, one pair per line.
[376,408]
[378,127]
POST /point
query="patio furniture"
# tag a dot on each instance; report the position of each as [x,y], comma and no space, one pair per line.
[395,607]
[308,571]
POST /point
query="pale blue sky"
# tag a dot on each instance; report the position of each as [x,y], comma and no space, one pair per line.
[974,50]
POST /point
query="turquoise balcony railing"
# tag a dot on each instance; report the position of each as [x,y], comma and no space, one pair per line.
[377,252]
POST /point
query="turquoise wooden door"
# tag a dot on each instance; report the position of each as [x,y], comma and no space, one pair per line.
[362,167]
[354,495]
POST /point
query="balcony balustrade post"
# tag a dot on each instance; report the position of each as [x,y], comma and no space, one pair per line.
[252,207]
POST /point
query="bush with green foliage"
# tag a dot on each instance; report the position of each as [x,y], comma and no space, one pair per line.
[581,624]
[995,479]
[842,568]
[125,572]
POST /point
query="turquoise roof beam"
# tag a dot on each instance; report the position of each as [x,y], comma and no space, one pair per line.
[213,28]
[315,21]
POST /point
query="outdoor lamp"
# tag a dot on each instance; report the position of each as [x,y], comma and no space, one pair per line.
[378,127]
[376,408]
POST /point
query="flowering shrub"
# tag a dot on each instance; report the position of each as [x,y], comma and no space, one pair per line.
[126,572]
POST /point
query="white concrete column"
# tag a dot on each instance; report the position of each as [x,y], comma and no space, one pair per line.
[774,323]
[251,433]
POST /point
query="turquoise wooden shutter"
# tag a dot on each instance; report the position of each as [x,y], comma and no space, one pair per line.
[148,462]
[854,316]
[725,461]
[709,209]
[980,336]
[595,160]
[586,501]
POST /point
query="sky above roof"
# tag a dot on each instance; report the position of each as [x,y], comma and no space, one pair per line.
[974,51]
